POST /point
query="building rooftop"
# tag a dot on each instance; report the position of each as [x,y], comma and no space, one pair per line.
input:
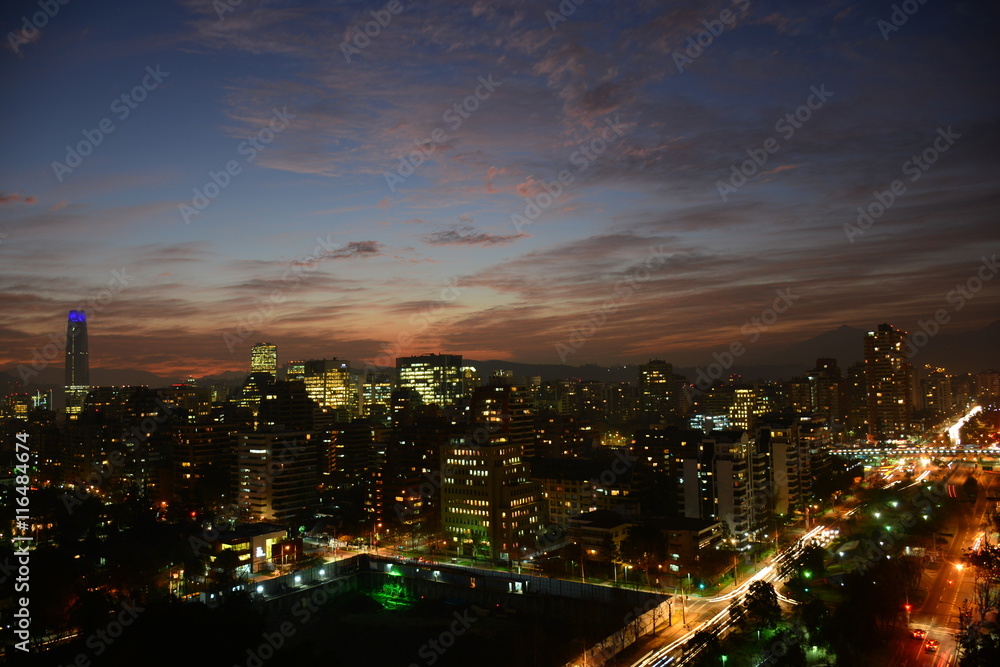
[247,530]
[599,519]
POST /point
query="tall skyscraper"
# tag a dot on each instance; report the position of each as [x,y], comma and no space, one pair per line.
[889,380]
[438,378]
[656,389]
[264,359]
[77,378]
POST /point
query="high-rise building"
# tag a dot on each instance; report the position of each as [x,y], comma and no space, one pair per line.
[826,390]
[856,390]
[889,381]
[936,392]
[656,389]
[376,395]
[505,413]
[725,477]
[987,385]
[264,359]
[203,456]
[489,505]
[438,378]
[356,465]
[77,377]
[748,404]
[277,474]
[295,370]
[328,382]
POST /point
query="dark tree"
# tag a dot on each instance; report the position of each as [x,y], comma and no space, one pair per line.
[762,608]
[644,547]
[738,614]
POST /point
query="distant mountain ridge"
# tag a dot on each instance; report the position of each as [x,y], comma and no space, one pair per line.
[965,352]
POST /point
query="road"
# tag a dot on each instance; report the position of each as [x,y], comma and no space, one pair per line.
[713,612]
[938,615]
[949,587]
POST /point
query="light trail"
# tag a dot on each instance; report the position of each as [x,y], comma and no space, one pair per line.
[955,431]
[661,657]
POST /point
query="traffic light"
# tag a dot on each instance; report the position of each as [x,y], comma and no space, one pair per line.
[907,608]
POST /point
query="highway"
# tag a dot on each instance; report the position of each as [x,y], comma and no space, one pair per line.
[713,612]
[938,615]
[950,585]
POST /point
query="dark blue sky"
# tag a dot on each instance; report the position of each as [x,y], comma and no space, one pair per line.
[387,205]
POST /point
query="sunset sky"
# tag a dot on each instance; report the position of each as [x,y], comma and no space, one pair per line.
[310,245]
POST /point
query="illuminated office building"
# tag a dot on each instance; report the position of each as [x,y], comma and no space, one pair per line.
[264,359]
[489,504]
[328,382]
[295,370]
[438,378]
[376,395]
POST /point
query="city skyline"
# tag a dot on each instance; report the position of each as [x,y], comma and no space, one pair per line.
[264,173]
[975,355]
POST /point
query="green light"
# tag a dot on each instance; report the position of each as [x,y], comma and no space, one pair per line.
[701,586]
[807,574]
